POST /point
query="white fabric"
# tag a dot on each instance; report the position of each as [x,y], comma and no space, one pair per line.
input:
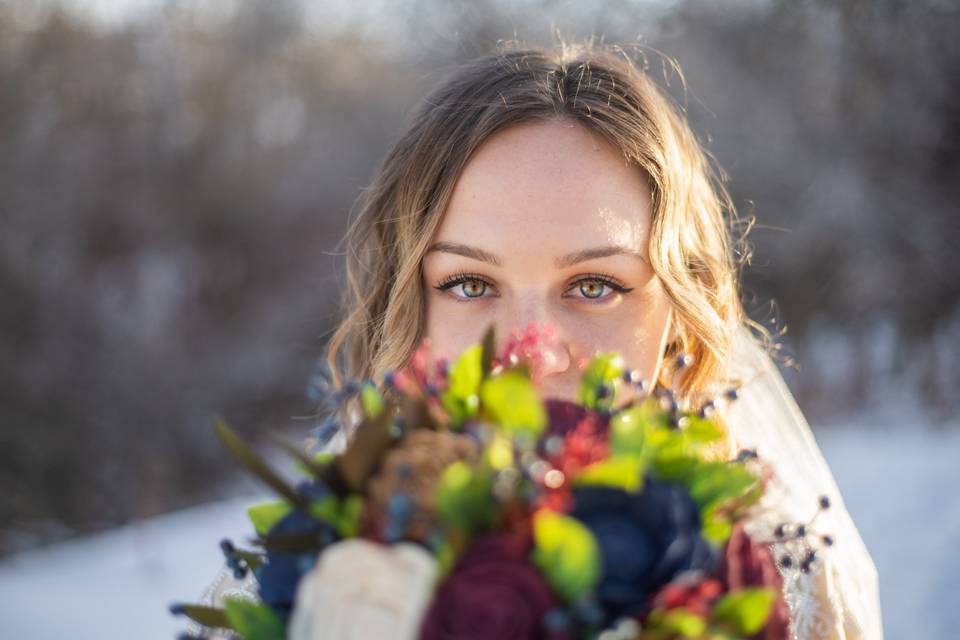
[839,599]
[338,600]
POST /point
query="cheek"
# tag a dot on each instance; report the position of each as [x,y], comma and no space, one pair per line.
[637,352]
[636,332]
[450,333]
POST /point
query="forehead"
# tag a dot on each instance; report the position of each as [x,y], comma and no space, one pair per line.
[548,185]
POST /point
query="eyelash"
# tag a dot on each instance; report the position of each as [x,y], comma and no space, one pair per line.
[461,278]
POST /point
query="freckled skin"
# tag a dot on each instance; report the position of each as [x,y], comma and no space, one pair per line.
[530,194]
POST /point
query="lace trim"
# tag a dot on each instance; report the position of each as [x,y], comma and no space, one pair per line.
[817,612]
[803,593]
[225,585]
[840,600]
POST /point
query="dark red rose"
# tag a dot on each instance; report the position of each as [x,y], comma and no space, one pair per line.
[493,592]
[747,563]
[575,437]
[564,416]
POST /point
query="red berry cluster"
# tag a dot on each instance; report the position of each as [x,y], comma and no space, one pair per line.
[697,597]
[528,346]
[585,444]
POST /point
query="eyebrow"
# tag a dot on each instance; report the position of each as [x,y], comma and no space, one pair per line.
[561,263]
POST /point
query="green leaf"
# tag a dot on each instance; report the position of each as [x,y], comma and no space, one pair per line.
[499,453]
[342,514]
[640,430]
[371,400]
[462,397]
[717,528]
[721,633]
[604,371]
[351,509]
[254,620]
[512,402]
[319,467]
[488,345]
[751,496]
[446,559]
[684,622]
[718,488]
[643,429]
[256,465]
[567,554]
[266,514]
[207,616]
[323,458]
[702,430]
[747,609]
[463,496]
[677,468]
[623,471]
[710,483]
[716,483]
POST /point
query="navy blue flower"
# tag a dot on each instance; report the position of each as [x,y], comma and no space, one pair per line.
[646,539]
[279,575]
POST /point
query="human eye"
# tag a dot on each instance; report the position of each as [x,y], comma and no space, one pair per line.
[464,287]
[597,286]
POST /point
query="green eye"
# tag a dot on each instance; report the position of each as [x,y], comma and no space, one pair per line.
[474,288]
[471,287]
[592,288]
[598,287]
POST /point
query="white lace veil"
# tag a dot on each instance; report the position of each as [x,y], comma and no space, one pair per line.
[766,418]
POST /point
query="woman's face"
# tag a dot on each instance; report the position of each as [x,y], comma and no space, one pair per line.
[548,224]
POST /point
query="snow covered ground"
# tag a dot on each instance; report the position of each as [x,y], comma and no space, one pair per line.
[118,584]
[898,484]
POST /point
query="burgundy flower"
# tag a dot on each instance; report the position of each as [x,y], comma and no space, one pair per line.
[493,592]
[575,437]
[747,563]
[580,432]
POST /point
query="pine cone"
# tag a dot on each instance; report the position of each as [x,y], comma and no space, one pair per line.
[413,468]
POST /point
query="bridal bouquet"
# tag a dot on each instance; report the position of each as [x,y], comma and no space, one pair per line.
[467,506]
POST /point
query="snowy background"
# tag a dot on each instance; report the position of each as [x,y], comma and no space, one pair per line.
[896,480]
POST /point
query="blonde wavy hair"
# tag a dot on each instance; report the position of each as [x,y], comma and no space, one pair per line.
[694,248]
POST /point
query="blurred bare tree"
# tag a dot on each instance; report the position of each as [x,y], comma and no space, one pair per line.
[170,198]
[173,188]
[838,123]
